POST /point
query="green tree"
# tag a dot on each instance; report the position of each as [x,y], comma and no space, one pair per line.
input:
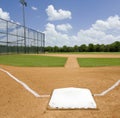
[49,49]
[97,48]
[102,48]
[76,48]
[91,48]
[83,48]
[56,49]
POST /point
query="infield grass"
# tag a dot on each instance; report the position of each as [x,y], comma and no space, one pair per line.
[32,60]
[97,62]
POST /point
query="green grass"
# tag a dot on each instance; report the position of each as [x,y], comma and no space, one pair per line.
[98,62]
[32,60]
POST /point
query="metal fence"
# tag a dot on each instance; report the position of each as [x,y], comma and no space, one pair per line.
[15,38]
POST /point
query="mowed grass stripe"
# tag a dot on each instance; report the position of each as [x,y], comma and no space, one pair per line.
[32,60]
[98,62]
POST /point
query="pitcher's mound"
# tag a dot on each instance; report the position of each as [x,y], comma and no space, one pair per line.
[72,98]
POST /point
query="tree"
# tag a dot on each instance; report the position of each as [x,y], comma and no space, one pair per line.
[49,49]
[91,48]
[102,48]
[97,48]
[56,49]
[83,48]
[76,48]
[107,48]
[114,47]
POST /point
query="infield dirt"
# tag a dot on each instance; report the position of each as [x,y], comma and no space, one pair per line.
[16,102]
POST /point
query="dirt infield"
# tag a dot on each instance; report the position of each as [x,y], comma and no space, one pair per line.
[16,102]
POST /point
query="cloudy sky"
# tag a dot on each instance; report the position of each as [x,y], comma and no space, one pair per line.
[68,22]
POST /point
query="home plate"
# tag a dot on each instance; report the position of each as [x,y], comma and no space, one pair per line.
[72,98]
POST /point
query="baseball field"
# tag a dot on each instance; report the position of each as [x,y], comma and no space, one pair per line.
[27,82]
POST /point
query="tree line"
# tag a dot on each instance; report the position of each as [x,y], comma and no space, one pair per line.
[114,47]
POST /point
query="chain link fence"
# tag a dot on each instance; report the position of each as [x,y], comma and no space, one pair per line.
[15,38]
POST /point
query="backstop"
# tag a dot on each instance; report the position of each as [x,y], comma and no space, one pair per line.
[15,38]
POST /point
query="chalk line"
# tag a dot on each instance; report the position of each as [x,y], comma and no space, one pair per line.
[109,89]
[24,85]
[43,96]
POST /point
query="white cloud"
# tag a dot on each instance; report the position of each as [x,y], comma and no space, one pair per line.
[34,8]
[4,15]
[113,22]
[64,27]
[60,14]
[54,37]
[102,32]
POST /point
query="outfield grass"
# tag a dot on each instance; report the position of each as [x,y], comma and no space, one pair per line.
[32,60]
[97,62]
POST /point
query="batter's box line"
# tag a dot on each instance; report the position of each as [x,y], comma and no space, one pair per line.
[109,89]
[24,85]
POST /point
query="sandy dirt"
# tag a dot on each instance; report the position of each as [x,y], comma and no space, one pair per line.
[16,102]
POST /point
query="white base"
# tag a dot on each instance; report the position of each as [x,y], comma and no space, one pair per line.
[72,98]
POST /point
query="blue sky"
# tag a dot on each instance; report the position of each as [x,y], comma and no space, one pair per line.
[68,22]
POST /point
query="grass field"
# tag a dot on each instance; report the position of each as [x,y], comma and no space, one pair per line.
[97,62]
[53,61]
[32,60]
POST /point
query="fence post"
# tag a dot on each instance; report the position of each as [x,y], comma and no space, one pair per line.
[7,37]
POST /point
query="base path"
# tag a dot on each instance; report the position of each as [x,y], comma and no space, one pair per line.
[71,62]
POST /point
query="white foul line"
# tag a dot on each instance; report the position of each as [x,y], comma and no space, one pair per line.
[23,84]
[43,96]
[109,89]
